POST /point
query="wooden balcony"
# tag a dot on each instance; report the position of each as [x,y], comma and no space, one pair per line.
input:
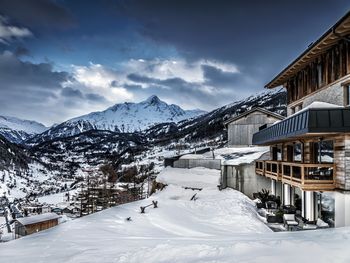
[308,177]
[260,168]
[273,170]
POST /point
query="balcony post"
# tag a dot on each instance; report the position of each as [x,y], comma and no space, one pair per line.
[286,194]
[273,187]
[302,167]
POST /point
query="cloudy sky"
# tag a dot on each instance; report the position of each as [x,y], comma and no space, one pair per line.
[60,59]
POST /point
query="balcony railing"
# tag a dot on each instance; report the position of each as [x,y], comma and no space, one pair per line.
[303,175]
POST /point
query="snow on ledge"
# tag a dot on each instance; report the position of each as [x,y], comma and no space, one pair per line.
[198,177]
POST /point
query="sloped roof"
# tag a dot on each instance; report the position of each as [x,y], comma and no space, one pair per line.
[37,218]
[339,30]
[262,110]
[309,122]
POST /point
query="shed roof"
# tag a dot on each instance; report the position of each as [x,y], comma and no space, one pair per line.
[37,218]
[262,110]
[339,30]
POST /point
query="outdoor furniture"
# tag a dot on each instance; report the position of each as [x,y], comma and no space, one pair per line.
[271,206]
[289,209]
[143,208]
[289,220]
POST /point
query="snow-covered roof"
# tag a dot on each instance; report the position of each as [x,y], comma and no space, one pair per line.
[37,218]
[262,110]
[239,155]
[198,177]
[232,155]
[317,105]
[193,156]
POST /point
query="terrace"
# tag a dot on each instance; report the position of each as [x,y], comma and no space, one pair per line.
[306,176]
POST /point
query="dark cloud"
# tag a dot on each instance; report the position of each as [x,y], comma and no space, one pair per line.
[178,90]
[141,79]
[15,74]
[38,13]
[71,93]
[95,97]
[37,91]
[254,34]
[217,77]
[21,51]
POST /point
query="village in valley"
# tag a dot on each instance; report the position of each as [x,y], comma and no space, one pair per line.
[263,178]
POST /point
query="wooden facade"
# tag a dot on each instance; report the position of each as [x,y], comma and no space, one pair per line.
[310,150]
[29,225]
[241,128]
[325,69]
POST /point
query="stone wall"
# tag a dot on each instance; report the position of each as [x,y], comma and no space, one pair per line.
[333,94]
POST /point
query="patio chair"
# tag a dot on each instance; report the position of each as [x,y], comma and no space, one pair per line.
[289,209]
[289,220]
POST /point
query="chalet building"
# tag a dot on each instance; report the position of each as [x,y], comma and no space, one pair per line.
[310,149]
[240,128]
[32,224]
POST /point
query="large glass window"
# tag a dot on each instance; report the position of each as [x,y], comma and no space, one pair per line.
[297,156]
[277,153]
[325,207]
[324,152]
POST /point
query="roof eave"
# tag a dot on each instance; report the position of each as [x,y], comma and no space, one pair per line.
[277,81]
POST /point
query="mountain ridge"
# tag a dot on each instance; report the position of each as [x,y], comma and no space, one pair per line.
[125,117]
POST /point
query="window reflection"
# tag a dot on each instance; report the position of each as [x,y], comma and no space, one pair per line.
[297,152]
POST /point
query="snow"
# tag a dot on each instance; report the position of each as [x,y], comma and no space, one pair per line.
[108,237]
[55,199]
[193,156]
[317,105]
[198,177]
[243,155]
[321,104]
[37,218]
[220,226]
[232,155]
[30,127]
[130,117]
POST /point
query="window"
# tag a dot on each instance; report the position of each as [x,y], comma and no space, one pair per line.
[297,156]
[347,95]
[296,108]
[323,152]
[277,153]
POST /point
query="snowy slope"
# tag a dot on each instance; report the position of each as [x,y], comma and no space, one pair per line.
[108,237]
[17,130]
[125,117]
[220,226]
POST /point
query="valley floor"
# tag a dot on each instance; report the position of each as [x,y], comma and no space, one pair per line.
[219,226]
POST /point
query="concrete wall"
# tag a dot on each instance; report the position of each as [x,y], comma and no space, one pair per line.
[342,209]
[244,179]
[333,94]
[240,132]
[191,163]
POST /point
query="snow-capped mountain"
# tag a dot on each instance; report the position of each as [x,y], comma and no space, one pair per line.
[210,125]
[17,130]
[126,118]
[130,117]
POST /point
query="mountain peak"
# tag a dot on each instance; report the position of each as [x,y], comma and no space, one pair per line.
[153,99]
